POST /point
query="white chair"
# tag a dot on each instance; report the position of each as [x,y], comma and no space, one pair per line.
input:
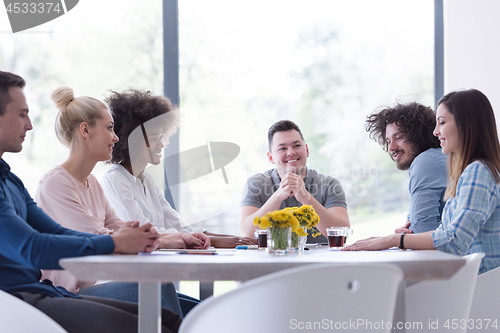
[315,296]
[440,303]
[485,310]
[17,316]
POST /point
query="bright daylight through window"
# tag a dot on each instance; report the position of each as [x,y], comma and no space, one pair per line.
[243,65]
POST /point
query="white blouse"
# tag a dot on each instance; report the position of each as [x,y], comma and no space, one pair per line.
[139,199]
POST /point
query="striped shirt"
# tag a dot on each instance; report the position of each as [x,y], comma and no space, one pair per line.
[471,219]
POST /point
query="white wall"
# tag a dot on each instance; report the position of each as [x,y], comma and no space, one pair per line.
[472,47]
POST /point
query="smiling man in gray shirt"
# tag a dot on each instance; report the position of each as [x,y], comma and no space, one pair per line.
[405,132]
[292,184]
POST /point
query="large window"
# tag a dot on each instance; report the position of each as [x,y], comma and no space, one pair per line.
[95,47]
[325,65]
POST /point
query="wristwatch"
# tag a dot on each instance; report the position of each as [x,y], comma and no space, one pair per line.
[402,241]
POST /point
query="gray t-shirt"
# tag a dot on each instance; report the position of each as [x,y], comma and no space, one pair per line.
[325,189]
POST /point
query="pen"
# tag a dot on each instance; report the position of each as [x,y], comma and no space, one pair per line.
[191,252]
[246,247]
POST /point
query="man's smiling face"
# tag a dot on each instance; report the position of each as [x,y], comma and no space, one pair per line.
[289,153]
[401,151]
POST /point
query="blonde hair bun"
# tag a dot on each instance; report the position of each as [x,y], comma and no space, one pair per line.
[73,111]
[62,96]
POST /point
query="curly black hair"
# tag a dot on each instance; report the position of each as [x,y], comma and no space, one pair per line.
[131,109]
[416,122]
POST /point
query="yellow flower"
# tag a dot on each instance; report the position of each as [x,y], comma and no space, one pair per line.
[256,220]
[294,223]
[306,215]
[316,233]
[284,216]
[275,216]
[264,223]
[294,217]
[301,232]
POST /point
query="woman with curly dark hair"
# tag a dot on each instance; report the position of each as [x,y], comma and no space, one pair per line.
[144,123]
[134,110]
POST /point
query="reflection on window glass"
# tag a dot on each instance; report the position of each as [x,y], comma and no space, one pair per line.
[325,65]
[95,47]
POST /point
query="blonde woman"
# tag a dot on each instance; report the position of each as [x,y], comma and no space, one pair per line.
[72,196]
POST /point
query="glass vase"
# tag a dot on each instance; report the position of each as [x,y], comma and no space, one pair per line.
[298,242]
[279,240]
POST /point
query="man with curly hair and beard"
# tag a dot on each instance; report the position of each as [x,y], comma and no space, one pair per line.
[405,132]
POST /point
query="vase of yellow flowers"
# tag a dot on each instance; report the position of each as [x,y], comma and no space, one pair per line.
[281,224]
[308,219]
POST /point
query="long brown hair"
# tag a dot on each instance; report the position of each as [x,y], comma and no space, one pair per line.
[477,134]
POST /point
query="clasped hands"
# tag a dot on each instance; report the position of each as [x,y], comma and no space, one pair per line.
[194,240]
[292,185]
[134,238]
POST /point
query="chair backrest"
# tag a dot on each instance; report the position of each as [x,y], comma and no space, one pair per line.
[346,298]
[17,316]
[485,309]
[444,301]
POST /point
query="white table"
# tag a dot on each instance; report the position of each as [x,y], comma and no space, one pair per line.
[242,265]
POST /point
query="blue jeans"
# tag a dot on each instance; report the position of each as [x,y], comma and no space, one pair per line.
[94,314]
[187,303]
[128,291]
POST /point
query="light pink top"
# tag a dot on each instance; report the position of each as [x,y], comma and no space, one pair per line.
[78,207]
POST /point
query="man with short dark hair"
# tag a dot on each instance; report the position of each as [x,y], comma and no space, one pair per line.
[292,184]
[405,132]
[30,240]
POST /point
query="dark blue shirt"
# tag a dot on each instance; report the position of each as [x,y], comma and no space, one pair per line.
[30,240]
